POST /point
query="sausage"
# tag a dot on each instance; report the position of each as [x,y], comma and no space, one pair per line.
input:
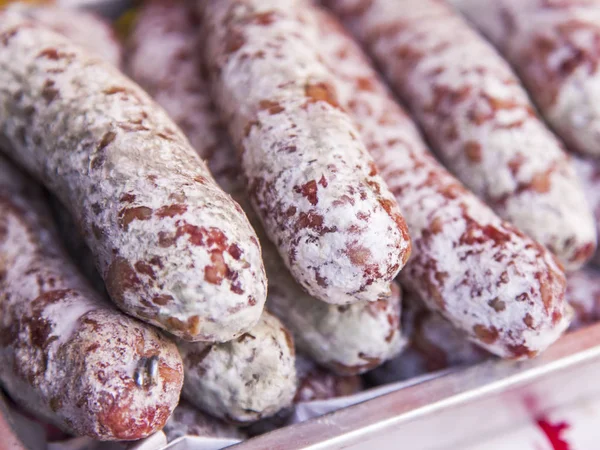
[315,383]
[554,46]
[77,250]
[243,380]
[434,345]
[588,171]
[501,288]
[583,293]
[309,176]
[236,376]
[82,27]
[172,73]
[346,339]
[173,249]
[96,35]
[479,119]
[162,57]
[225,380]
[189,421]
[65,354]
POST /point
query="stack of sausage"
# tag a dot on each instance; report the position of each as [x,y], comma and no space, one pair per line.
[253,157]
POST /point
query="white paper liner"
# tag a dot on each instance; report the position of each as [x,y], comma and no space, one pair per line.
[309,410]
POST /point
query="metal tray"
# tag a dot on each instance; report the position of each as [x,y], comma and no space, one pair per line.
[453,410]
